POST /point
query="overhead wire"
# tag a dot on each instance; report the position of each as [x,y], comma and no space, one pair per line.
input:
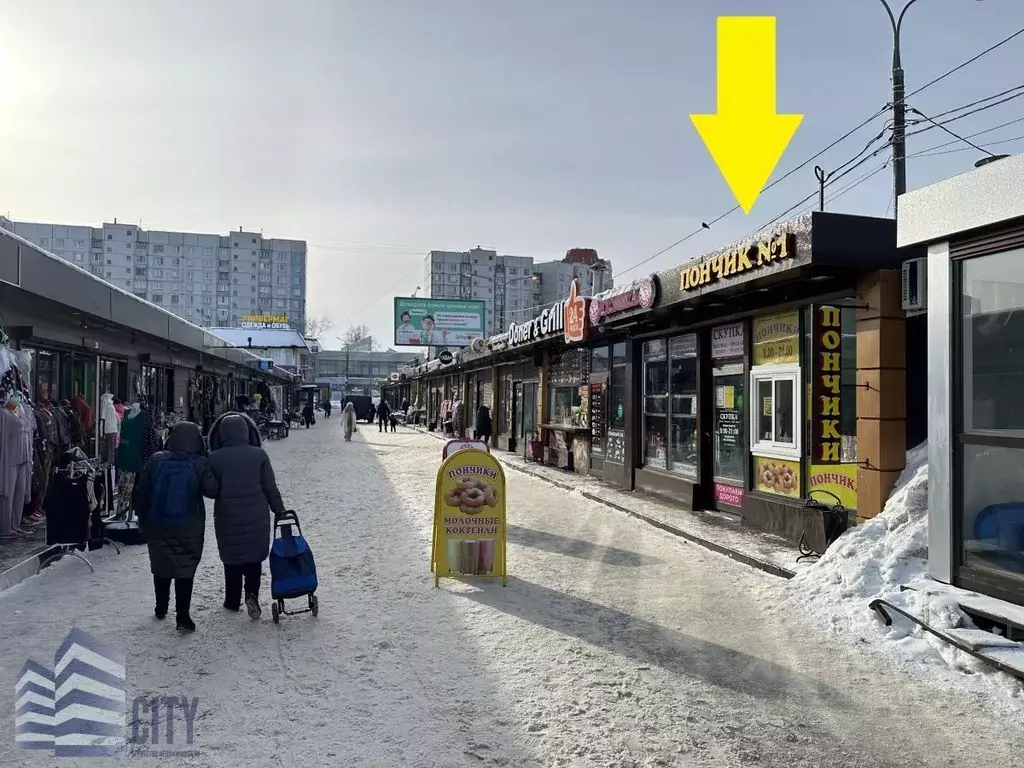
[961,117]
[842,138]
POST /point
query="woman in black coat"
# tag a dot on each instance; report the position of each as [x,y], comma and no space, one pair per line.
[483,424]
[242,483]
[168,499]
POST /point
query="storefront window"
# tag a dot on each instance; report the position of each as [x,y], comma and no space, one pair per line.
[776,406]
[617,391]
[775,409]
[992,358]
[46,375]
[670,404]
[656,404]
[564,406]
[599,359]
[683,405]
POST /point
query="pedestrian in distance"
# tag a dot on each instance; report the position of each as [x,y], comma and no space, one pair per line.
[327,409]
[383,415]
[483,424]
[459,419]
[393,420]
[168,500]
[308,417]
[373,414]
[244,489]
[348,417]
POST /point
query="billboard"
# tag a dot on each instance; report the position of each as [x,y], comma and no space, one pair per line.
[438,322]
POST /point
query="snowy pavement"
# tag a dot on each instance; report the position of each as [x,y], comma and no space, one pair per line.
[614,645]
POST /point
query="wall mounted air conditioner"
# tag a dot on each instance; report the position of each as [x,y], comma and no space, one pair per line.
[914,287]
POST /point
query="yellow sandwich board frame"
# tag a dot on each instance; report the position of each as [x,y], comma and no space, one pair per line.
[470,536]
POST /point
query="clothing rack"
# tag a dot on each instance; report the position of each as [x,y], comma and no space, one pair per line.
[73,471]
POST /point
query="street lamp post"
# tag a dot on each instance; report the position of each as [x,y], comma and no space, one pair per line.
[899,107]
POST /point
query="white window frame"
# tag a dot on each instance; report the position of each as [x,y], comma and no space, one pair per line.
[770,448]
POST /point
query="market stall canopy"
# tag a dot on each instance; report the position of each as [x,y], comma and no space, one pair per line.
[30,274]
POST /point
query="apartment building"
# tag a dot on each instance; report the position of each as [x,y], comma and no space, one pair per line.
[583,264]
[210,280]
[512,287]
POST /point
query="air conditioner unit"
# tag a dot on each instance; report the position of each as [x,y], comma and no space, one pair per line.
[914,287]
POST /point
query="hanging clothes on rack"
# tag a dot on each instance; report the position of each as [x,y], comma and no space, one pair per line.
[110,425]
[17,432]
[74,501]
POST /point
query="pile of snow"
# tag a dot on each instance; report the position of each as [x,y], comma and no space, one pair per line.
[873,560]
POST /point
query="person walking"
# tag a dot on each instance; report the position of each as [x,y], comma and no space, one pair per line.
[348,418]
[308,418]
[459,419]
[383,415]
[241,481]
[483,424]
[327,408]
[168,500]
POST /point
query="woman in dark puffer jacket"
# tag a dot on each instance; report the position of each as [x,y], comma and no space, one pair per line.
[168,499]
[241,481]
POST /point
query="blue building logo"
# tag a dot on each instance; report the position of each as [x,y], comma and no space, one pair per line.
[77,709]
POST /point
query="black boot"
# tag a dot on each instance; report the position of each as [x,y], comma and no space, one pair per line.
[182,602]
[162,589]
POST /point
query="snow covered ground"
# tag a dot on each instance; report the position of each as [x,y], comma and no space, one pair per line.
[614,645]
[874,560]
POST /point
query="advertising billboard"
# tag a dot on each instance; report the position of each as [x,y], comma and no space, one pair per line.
[438,322]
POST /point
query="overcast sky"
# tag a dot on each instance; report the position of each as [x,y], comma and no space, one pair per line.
[378,130]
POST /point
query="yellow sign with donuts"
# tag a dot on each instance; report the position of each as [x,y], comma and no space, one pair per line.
[469,517]
[777,476]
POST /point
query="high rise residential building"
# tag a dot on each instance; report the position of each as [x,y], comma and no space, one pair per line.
[210,280]
[583,264]
[513,288]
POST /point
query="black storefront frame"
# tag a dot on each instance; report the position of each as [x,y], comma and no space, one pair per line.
[758,508]
[965,576]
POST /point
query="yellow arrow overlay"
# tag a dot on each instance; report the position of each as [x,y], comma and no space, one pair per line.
[746,137]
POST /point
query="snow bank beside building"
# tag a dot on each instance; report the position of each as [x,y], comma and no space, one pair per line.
[873,560]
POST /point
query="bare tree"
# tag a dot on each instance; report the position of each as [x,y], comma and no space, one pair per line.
[355,333]
[318,325]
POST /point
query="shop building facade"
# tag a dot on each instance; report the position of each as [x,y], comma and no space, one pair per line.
[77,334]
[973,227]
[744,382]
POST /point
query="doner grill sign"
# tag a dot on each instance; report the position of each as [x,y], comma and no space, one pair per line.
[724,266]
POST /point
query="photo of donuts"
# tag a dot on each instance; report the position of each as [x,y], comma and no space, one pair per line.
[777,476]
[472,496]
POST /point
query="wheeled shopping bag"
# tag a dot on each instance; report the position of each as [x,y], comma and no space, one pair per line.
[292,568]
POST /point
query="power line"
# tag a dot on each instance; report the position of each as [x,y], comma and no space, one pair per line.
[970,61]
[380,298]
[970,136]
[779,180]
[954,135]
[926,153]
[979,101]
[965,114]
[842,138]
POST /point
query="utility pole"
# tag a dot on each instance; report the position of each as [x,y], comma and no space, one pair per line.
[899,108]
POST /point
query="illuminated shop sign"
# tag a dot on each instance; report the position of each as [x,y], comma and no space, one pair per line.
[640,294]
[262,322]
[727,265]
[568,317]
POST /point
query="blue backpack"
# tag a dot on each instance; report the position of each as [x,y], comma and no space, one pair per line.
[175,484]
